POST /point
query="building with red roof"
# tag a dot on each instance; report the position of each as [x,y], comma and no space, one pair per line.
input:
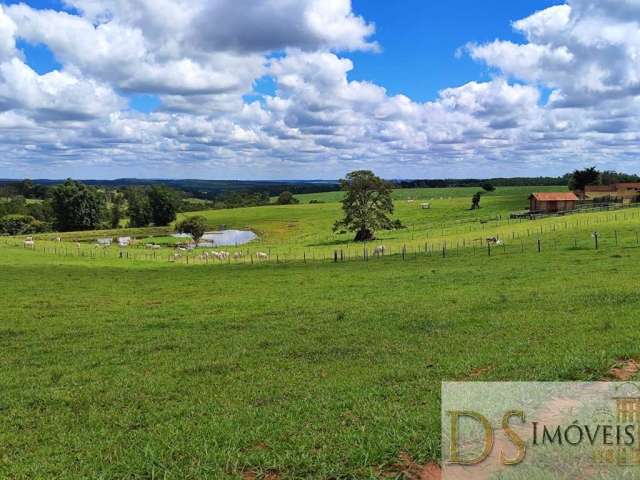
[552,202]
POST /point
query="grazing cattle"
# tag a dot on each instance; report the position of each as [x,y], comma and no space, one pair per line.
[499,243]
[425,206]
[262,256]
[220,255]
[379,250]
[78,245]
[492,241]
[29,244]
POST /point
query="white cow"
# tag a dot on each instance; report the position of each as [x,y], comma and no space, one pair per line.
[379,250]
[29,244]
[262,256]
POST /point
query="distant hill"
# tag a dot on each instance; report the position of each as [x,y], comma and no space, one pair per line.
[211,188]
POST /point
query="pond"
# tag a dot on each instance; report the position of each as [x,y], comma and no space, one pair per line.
[227,237]
[224,238]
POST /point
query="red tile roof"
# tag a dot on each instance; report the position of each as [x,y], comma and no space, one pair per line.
[555,197]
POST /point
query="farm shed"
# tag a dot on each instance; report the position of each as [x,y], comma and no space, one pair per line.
[552,202]
[623,191]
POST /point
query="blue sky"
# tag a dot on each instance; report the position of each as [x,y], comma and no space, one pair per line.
[314,88]
[419,41]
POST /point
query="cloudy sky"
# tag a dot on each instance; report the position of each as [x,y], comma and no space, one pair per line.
[268,89]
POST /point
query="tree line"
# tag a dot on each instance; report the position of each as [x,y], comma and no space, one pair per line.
[27,207]
[580,179]
[74,206]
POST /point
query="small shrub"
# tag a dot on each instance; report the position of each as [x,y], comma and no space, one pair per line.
[287,198]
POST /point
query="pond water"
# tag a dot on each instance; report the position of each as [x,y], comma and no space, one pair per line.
[224,238]
[227,237]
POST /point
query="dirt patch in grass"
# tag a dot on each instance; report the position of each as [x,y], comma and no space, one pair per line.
[479,372]
[268,475]
[411,470]
[624,370]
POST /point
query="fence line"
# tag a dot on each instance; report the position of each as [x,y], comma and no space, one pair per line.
[535,243]
[350,252]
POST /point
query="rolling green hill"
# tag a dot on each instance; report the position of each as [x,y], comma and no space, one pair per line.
[143,368]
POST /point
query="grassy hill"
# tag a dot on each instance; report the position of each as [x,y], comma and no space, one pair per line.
[309,226]
[134,368]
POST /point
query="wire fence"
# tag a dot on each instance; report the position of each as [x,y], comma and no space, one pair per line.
[530,240]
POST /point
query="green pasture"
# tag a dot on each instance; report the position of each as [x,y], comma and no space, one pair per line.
[132,369]
[304,232]
[295,228]
[120,364]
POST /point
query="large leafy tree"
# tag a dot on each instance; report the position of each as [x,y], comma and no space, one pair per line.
[117,204]
[164,203]
[76,206]
[195,226]
[138,207]
[581,178]
[287,198]
[366,205]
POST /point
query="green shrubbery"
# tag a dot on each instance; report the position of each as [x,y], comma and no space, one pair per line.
[287,198]
[21,225]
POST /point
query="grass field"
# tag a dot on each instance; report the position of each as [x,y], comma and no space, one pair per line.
[293,231]
[142,370]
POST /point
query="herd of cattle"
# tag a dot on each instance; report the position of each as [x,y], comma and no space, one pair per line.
[380,250]
[214,255]
[29,242]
